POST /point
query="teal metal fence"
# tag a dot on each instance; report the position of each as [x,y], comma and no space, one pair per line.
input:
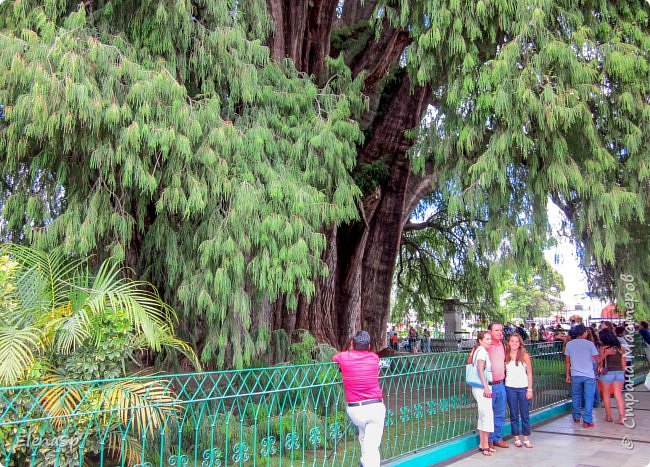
[287,415]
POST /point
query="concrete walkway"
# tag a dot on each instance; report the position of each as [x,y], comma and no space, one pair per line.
[563,443]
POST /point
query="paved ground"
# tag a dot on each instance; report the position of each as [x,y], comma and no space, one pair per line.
[562,443]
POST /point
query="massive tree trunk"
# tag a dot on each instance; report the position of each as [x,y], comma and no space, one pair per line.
[361,256]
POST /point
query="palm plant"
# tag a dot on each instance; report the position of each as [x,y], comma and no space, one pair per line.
[51,306]
[58,316]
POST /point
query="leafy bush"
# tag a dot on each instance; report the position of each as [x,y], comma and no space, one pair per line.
[61,323]
[53,309]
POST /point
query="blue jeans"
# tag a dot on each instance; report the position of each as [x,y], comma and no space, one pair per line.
[597,400]
[499,409]
[583,389]
[519,408]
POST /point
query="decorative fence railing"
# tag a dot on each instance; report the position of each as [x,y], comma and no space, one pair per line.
[286,415]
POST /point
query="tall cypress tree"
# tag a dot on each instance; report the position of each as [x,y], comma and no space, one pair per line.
[259,161]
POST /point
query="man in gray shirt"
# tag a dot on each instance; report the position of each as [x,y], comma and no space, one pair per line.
[580,355]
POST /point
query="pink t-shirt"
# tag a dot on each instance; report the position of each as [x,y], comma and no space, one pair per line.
[360,371]
[497,353]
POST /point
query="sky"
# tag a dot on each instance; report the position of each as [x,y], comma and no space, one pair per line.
[564,260]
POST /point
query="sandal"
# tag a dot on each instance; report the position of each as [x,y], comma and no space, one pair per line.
[485,451]
[608,419]
[619,422]
[528,444]
[518,443]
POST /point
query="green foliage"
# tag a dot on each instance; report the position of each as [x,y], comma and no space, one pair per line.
[76,422]
[163,134]
[532,295]
[106,360]
[442,256]
[176,144]
[82,325]
[370,176]
[302,350]
[540,100]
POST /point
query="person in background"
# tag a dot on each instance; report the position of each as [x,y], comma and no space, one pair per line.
[534,333]
[612,373]
[645,333]
[550,334]
[522,332]
[426,340]
[606,324]
[580,355]
[625,345]
[413,339]
[569,336]
[592,336]
[394,340]
[497,352]
[360,369]
[479,356]
[519,388]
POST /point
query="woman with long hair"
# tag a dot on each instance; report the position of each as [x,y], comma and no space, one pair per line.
[483,395]
[612,373]
[519,388]
[593,336]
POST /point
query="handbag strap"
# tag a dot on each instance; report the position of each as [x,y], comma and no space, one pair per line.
[474,361]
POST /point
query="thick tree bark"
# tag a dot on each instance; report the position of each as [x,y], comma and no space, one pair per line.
[302,32]
[361,256]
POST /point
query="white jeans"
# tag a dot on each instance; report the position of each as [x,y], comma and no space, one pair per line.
[369,419]
[485,413]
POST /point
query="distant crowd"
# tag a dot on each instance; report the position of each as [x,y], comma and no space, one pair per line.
[420,340]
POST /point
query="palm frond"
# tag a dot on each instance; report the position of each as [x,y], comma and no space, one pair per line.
[124,448]
[138,300]
[18,347]
[31,295]
[168,340]
[71,331]
[51,272]
[144,404]
[60,400]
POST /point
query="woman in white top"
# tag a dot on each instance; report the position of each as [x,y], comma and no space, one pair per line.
[483,395]
[519,388]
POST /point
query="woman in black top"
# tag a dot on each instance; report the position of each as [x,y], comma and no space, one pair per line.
[612,373]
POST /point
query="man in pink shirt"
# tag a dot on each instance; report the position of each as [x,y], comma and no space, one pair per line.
[366,409]
[497,353]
